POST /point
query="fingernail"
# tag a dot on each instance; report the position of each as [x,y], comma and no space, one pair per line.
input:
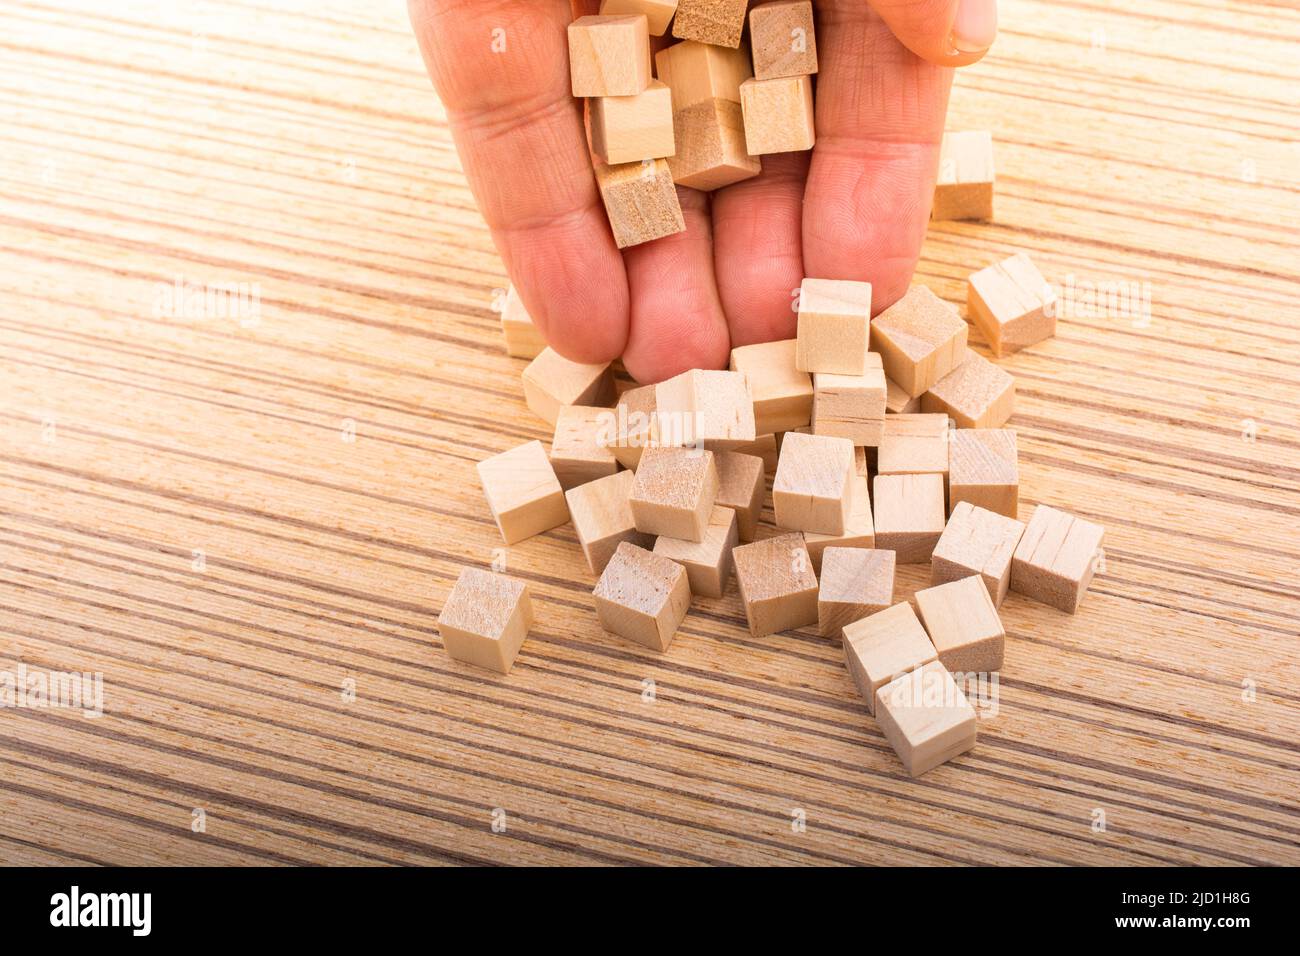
[975,26]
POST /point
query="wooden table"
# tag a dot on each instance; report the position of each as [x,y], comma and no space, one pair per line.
[248,527]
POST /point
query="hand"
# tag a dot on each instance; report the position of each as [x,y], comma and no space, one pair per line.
[856,208]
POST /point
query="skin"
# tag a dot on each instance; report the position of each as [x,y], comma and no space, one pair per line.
[855,207]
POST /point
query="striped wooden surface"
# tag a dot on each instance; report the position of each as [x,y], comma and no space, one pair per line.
[183,512]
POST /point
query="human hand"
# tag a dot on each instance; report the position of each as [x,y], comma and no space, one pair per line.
[855,207]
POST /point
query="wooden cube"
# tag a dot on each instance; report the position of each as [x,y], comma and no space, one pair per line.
[718,22]
[909,515]
[764,447]
[834,330]
[812,490]
[859,530]
[609,56]
[740,487]
[976,394]
[674,492]
[897,401]
[523,492]
[551,381]
[701,73]
[983,470]
[633,426]
[1011,304]
[783,38]
[920,338]
[850,406]
[628,129]
[708,563]
[855,583]
[883,646]
[710,146]
[914,444]
[485,619]
[640,201]
[658,13]
[642,596]
[777,584]
[778,114]
[1055,559]
[576,453]
[977,541]
[703,405]
[926,718]
[963,625]
[964,188]
[522,336]
[602,518]
[783,395]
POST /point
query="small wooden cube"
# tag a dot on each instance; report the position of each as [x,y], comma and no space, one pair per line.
[914,444]
[718,22]
[897,401]
[963,625]
[523,337]
[523,492]
[976,394]
[602,518]
[642,596]
[909,515]
[640,201]
[1056,558]
[812,490]
[674,492]
[700,73]
[708,563]
[778,114]
[609,56]
[740,487]
[777,584]
[964,188]
[920,338]
[576,453]
[709,140]
[855,582]
[629,129]
[850,406]
[977,541]
[926,718]
[485,619]
[1011,304]
[783,38]
[983,470]
[764,447]
[658,13]
[883,646]
[633,426]
[703,405]
[834,330]
[551,381]
[783,395]
[859,530]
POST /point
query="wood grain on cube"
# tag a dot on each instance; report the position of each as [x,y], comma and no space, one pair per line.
[741,485]
[602,518]
[977,541]
[1011,304]
[765,447]
[859,529]
[777,584]
[783,395]
[983,469]
[783,39]
[629,129]
[926,718]
[1056,558]
[854,583]
[834,330]
[576,452]
[523,492]
[674,492]
[485,619]
[964,187]
[708,563]
[609,55]
[813,484]
[718,22]
[640,201]
[851,406]
[897,401]
[963,625]
[778,114]
[920,338]
[909,515]
[551,381]
[642,597]
[705,405]
[634,425]
[914,444]
[699,72]
[976,394]
[522,336]
[880,647]
[658,13]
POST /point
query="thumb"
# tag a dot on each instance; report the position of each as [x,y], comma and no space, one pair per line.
[944,32]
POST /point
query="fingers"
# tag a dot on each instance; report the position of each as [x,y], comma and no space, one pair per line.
[501,70]
[677,318]
[880,112]
[944,32]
